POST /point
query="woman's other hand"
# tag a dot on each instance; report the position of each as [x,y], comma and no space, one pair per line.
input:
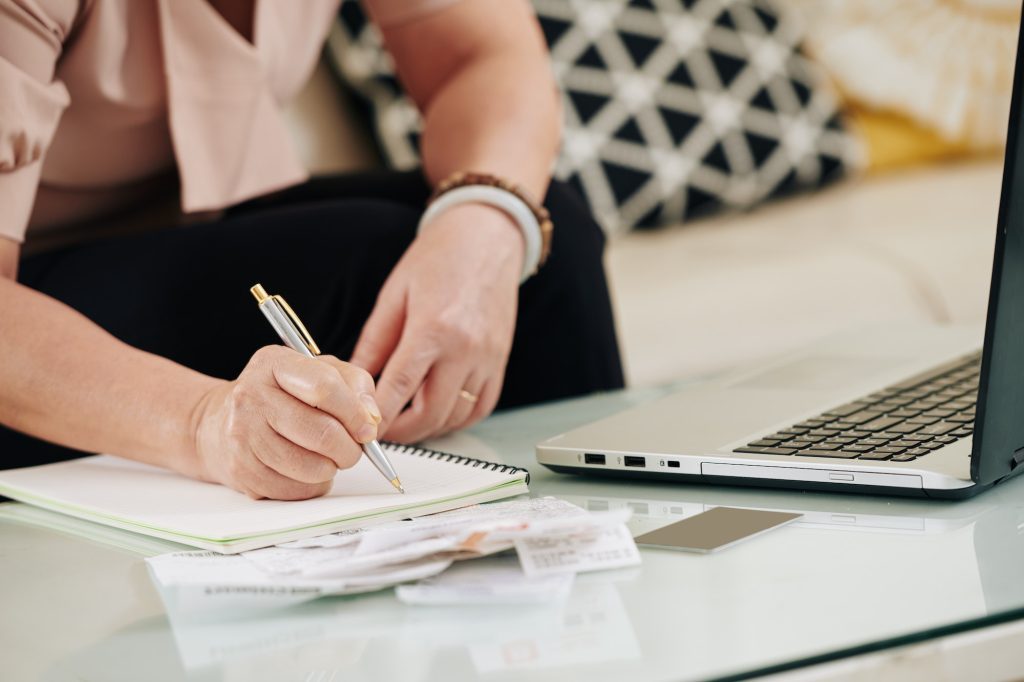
[283,428]
[441,331]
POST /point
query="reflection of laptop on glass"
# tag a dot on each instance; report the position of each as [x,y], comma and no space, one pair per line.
[892,412]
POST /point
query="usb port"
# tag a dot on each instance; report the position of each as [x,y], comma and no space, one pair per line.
[634,461]
[591,458]
[673,464]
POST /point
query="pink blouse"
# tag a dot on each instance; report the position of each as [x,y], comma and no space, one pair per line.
[99,96]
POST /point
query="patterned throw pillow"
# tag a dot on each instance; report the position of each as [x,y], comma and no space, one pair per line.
[674,108]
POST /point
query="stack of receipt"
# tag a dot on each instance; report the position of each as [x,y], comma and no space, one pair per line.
[554,540]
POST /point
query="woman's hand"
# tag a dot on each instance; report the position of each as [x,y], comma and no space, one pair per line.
[285,426]
[443,324]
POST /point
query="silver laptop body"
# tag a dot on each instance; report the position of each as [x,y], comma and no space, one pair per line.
[692,434]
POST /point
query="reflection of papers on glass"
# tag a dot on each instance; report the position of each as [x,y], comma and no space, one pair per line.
[595,629]
[487,582]
[556,537]
[196,582]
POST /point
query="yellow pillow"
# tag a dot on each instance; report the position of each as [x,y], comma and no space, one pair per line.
[923,80]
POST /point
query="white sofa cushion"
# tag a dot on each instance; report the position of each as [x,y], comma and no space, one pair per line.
[897,248]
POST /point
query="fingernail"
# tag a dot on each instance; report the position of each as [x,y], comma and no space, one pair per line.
[366,433]
[371,407]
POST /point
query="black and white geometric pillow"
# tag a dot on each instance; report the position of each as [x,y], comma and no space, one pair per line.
[674,108]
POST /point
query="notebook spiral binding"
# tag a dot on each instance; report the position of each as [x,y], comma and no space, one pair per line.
[457,459]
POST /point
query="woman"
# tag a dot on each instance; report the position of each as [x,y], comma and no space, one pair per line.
[129,334]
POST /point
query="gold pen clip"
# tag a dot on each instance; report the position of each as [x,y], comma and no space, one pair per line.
[261,296]
[306,338]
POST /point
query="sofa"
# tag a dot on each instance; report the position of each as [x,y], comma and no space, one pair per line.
[913,246]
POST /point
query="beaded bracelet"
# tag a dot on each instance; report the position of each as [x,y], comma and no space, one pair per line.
[539,229]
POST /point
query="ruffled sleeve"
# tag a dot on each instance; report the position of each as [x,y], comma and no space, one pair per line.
[32,33]
[391,12]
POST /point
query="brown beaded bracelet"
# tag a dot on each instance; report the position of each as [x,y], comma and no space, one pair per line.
[468,178]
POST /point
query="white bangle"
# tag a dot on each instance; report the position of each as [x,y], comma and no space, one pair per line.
[503,200]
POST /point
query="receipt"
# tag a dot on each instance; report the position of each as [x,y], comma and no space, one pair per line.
[610,547]
[554,540]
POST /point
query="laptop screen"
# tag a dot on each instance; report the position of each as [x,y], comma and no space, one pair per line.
[999,432]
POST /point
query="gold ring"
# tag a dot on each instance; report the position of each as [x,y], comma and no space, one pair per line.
[466,395]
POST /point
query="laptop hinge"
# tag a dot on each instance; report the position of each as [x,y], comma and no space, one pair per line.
[1018,457]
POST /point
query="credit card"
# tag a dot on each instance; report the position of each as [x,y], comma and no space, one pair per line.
[715,529]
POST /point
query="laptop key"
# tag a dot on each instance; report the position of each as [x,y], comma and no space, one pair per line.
[875,455]
[828,453]
[940,428]
[862,417]
[848,409]
[918,452]
[903,458]
[766,451]
[963,433]
[904,412]
[857,448]
[880,424]
[923,420]
[941,413]
[765,443]
[889,450]
[906,427]
[812,424]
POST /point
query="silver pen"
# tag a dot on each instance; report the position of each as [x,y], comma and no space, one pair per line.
[294,335]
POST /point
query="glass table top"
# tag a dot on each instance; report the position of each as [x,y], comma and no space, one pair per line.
[853,572]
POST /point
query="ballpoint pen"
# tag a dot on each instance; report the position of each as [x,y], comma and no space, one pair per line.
[294,335]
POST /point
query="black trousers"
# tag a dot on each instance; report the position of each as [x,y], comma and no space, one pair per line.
[327,246]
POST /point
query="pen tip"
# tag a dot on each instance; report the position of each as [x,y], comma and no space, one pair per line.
[398,485]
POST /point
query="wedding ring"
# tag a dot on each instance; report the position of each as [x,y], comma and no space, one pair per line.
[466,395]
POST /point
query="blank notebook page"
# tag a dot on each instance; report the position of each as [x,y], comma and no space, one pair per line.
[126,491]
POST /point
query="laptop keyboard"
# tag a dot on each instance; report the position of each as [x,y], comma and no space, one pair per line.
[899,423]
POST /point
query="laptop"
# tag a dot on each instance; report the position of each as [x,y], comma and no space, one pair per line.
[929,412]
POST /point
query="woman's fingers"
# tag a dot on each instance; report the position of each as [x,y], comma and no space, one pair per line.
[261,481]
[381,333]
[361,383]
[301,442]
[471,408]
[318,383]
[404,374]
[466,401]
[434,404]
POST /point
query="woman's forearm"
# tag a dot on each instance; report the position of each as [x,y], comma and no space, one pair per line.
[480,73]
[66,380]
[498,114]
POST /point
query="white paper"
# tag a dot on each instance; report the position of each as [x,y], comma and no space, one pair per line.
[610,547]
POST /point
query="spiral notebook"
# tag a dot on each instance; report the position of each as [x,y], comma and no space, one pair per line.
[156,502]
